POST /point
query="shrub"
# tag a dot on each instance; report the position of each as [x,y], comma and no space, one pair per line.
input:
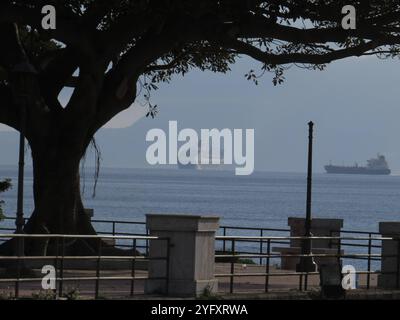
[4,186]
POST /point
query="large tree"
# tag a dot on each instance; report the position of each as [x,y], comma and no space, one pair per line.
[123,46]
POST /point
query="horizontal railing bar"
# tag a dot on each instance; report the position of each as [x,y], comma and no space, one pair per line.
[335,246]
[221,227]
[123,233]
[359,232]
[321,255]
[78,236]
[359,245]
[259,240]
[244,238]
[81,279]
[277,255]
[218,238]
[80,258]
[291,256]
[253,228]
[118,221]
[120,245]
[263,274]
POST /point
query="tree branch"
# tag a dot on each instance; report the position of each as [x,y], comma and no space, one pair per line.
[119,90]
[167,66]
[277,59]
[56,75]
[67,31]
[12,54]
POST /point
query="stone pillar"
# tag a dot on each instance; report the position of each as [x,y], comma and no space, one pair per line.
[319,227]
[389,247]
[191,254]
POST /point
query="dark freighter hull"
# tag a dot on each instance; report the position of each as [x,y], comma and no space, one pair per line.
[355,170]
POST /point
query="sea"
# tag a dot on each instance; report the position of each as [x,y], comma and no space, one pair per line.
[263,199]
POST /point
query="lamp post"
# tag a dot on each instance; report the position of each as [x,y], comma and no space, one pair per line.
[307,264]
[24,86]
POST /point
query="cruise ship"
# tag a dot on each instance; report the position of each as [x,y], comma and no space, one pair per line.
[203,161]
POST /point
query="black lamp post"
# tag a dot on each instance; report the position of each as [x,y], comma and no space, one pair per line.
[24,88]
[307,264]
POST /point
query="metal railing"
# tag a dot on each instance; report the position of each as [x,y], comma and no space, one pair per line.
[115,231]
[267,254]
[124,228]
[119,227]
[255,247]
[233,258]
[62,262]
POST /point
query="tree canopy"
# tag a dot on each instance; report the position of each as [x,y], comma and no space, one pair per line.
[118,44]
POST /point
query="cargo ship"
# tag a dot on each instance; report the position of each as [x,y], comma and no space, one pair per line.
[376,166]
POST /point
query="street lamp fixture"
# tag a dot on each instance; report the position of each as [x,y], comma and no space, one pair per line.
[24,89]
[307,263]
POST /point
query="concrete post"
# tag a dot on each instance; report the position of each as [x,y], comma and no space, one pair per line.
[319,227]
[390,265]
[191,254]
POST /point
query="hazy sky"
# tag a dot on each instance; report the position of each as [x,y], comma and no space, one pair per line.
[354,104]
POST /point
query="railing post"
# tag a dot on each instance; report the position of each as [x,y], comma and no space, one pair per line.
[223,242]
[261,245]
[267,265]
[56,265]
[19,246]
[133,271]
[301,282]
[398,264]
[233,249]
[167,274]
[98,269]
[369,260]
[60,290]
[306,281]
[147,242]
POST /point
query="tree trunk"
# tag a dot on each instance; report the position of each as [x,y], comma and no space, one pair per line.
[58,205]
[56,191]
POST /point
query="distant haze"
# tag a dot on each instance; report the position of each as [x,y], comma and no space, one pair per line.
[354,104]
